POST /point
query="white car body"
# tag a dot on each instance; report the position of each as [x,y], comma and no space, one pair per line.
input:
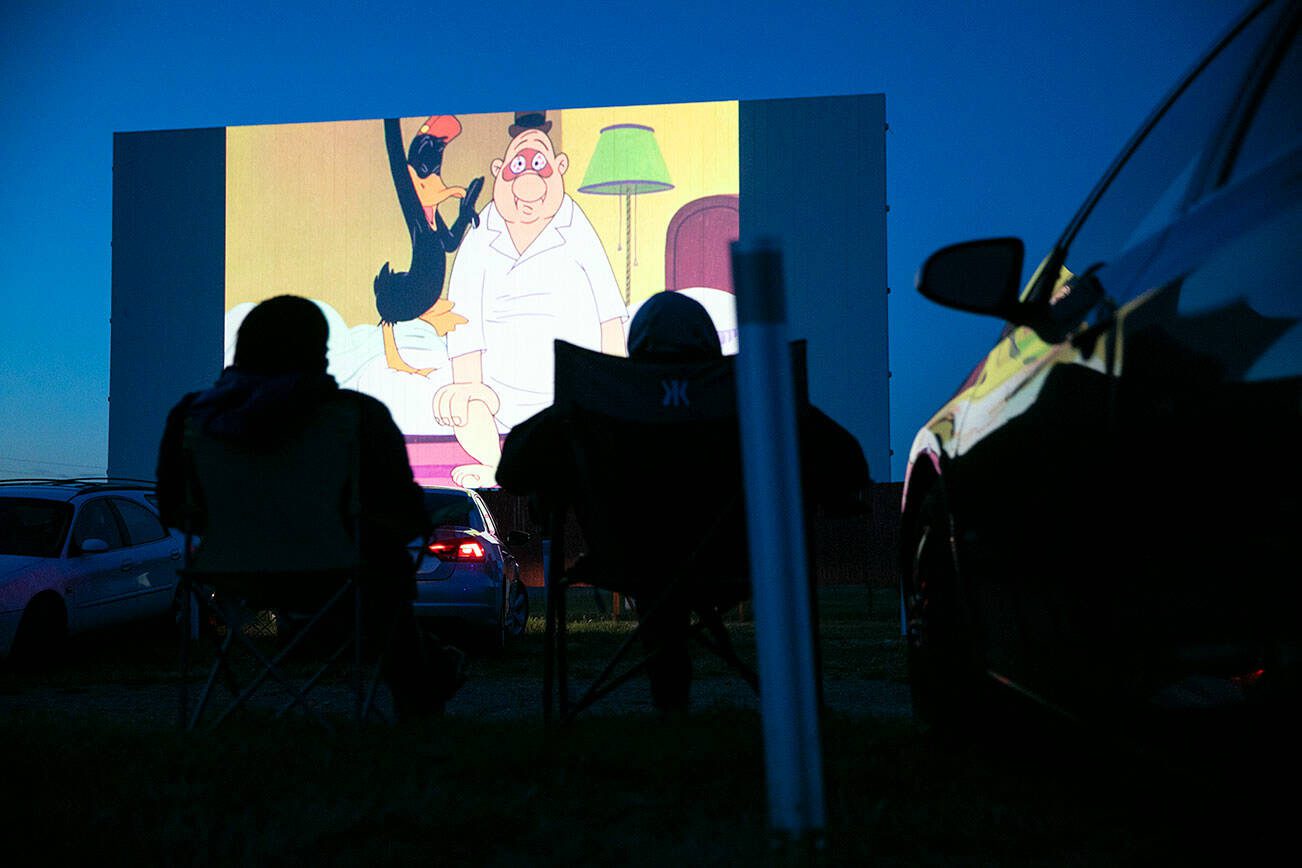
[132,578]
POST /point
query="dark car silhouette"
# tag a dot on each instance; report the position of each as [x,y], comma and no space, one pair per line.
[468,573]
[1105,515]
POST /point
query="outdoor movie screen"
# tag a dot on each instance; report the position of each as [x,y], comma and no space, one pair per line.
[449,251]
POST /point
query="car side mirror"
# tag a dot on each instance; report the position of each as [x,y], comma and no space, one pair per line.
[517,538]
[93,546]
[976,276]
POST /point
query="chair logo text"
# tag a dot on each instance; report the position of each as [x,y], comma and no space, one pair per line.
[675,393]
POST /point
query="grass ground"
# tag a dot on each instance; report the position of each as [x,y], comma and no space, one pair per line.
[613,789]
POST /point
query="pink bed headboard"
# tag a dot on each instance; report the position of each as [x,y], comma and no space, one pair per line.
[697,251]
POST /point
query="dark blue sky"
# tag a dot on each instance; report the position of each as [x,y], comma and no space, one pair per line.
[1002,117]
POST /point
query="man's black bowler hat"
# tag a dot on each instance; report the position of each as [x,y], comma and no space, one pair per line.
[529,121]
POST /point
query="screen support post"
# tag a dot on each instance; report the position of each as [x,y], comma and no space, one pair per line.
[775,520]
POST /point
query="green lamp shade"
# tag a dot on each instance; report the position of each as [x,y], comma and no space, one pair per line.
[627,161]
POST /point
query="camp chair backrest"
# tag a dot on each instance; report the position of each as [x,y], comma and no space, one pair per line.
[287,507]
[654,470]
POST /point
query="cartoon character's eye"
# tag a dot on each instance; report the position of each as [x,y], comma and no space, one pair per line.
[539,162]
[518,164]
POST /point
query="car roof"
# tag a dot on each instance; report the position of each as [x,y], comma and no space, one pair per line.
[67,489]
[446,489]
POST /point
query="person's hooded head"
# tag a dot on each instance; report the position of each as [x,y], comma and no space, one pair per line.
[278,376]
[672,327]
[282,335]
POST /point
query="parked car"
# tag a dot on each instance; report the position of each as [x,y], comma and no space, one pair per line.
[1104,516]
[77,555]
[466,572]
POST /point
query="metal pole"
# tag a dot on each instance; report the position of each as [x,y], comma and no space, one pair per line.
[793,757]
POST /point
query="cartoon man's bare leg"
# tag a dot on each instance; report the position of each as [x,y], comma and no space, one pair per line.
[470,408]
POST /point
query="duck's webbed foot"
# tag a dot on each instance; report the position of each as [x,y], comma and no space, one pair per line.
[394,359]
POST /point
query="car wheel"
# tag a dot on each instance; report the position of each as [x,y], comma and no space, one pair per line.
[517,609]
[174,622]
[42,634]
[492,638]
[943,674]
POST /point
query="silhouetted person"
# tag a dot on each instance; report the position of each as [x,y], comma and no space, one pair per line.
[275,390]
[674,328]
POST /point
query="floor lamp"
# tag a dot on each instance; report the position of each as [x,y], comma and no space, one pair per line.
[627,163]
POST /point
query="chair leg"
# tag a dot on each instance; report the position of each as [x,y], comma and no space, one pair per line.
[720,642]
[184,589]
[231,614]
[271,666]
[364,686]
[356,675]
[603,684]
[709,630]
[562,661]
[298,695]
[368,706]
[218,665]
[549,651]
[271,669]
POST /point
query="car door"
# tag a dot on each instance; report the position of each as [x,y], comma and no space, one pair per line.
[96,578]
[154,557]
[1035,483]
[1210,401]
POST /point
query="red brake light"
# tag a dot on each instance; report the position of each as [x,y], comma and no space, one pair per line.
[457,549]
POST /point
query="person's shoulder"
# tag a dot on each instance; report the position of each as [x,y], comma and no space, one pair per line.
[366,404]
[544,420]
[373,414]
[186,400]
[530,452]
[182,407]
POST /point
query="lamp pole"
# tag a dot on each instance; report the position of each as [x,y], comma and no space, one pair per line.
[628,244]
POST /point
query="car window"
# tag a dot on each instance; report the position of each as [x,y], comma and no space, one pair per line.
[480,518]
[31,527]
[1275,127]
[452,508]
[142,525]
[97,521]
[1148,190]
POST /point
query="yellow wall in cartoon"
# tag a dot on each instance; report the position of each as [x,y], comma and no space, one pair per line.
[699,144]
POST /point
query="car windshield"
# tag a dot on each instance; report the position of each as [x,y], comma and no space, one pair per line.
[32,527]
[452,508]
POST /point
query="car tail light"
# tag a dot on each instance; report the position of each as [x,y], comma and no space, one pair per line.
[461,548]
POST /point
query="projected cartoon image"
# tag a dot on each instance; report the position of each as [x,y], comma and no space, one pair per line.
[533,271]
[457,340]
[415,294]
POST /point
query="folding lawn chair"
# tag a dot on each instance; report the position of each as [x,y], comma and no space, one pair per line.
[652,473]
[280,534]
